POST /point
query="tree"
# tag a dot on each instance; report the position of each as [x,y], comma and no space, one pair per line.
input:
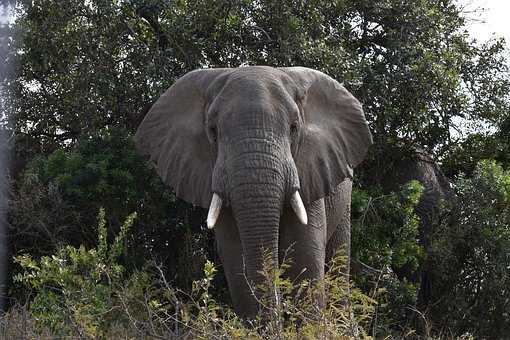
[87,66]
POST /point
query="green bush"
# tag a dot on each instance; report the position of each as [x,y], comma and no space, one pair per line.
[471,256]
[57,197]
[385,227]
[88,293]
[385,232]
[75,290]
[99,172]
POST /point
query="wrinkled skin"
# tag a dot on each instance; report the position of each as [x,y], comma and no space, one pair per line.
[251,142]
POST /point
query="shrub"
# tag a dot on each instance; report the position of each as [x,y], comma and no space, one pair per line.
[385,232]
[88,293]
[54,203]
[471,256]
[75,289]
[385,227]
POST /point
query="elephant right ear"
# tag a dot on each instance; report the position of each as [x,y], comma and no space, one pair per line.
[335,133]
[173,135]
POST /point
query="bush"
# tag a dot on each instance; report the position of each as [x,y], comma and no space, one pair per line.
[87,293]
[386,227]
[385,232]
[75,289]
[99,172]
[471,256]
[57,196]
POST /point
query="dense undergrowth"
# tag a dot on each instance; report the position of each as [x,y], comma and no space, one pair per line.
[87,293]
[92,292]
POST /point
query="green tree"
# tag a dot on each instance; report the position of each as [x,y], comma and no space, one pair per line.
[84,66]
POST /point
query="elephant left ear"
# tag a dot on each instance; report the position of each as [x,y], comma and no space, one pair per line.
[335,135]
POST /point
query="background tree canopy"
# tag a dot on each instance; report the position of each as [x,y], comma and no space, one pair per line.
[84,74]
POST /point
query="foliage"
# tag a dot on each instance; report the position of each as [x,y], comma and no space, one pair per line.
[89,293]
[84,73]
[385,231]
[385,227]
[477,147]
[100,172]
[92,65]
[471,256]
[75,288]
[52,205]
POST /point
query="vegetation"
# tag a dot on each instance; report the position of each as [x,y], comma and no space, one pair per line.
[84,73]
[470,254]
[87,293]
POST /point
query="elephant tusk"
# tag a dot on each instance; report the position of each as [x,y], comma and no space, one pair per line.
[299,208]
[214,211]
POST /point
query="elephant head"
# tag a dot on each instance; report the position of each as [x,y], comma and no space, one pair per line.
[254,140]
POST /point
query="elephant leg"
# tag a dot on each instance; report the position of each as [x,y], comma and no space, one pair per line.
[304,245]
[338,217]
[340,239]
[230,250]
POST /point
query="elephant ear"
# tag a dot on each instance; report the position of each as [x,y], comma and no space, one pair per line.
[335,134]
[173,135]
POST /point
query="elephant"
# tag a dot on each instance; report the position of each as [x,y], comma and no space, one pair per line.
[391,167]
[270,152]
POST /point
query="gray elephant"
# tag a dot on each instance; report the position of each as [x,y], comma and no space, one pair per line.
[270,152]
[390,168]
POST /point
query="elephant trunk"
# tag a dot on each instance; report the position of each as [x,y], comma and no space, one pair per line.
[257,194]
[258,220]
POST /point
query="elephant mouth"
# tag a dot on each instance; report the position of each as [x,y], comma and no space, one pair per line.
[295,202]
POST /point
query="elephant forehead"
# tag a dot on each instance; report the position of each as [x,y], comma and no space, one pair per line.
[250,97]
[256,81]
[255,116]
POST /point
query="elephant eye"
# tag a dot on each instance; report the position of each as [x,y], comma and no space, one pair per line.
[214,133]
[293,127]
